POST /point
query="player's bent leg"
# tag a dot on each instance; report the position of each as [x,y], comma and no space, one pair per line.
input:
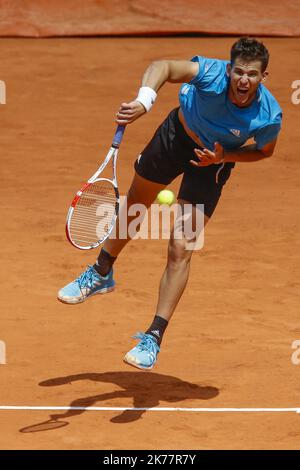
[142,193]
[91,281]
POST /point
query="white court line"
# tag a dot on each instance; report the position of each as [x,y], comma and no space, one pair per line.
[121,408]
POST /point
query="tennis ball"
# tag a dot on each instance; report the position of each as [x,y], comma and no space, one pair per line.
[166,197]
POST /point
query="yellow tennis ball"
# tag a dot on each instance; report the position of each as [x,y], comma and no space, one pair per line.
[166,197]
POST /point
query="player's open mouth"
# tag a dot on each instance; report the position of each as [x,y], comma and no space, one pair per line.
[242,91]
[243,94]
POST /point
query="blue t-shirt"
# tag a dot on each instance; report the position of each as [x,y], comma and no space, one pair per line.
[214,118]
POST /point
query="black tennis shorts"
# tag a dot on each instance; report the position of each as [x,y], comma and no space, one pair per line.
[168,155]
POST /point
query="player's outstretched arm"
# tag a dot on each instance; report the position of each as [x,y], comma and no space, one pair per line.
[155,76]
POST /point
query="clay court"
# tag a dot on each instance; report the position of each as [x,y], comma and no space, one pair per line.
[229,344]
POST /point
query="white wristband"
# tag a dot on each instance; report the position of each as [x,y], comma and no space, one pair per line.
[146,97]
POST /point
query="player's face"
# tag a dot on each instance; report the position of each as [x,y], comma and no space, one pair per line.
[244,80]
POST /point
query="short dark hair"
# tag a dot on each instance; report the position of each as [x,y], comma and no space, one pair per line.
[250,49]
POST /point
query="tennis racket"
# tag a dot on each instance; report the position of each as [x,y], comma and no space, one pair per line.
[95,207]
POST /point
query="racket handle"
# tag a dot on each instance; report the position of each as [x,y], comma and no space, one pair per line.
[118,136]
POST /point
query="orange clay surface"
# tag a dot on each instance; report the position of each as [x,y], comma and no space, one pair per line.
[41,18]
[229,342]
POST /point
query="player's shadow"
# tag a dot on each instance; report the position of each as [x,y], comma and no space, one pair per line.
[142,390]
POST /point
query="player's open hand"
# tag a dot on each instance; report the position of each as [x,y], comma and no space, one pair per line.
[129,112]
[208,157]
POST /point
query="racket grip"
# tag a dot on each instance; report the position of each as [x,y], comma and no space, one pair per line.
[118,136]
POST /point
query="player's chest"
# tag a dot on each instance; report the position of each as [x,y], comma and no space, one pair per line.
[236,126]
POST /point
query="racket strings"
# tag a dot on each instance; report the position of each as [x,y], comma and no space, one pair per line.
[94,213]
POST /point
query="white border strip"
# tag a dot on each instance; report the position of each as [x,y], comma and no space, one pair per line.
[120,408]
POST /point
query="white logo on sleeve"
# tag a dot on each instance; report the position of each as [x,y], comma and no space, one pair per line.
[235,132]
[185,90]
[138,158]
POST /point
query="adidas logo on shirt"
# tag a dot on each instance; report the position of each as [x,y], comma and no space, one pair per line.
[235,132]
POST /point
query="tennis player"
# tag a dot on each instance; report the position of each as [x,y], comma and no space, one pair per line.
[223,104]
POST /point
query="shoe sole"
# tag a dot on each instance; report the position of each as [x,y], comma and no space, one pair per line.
[137,366]
[106,290]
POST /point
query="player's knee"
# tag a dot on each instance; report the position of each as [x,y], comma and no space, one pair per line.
[178,252]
